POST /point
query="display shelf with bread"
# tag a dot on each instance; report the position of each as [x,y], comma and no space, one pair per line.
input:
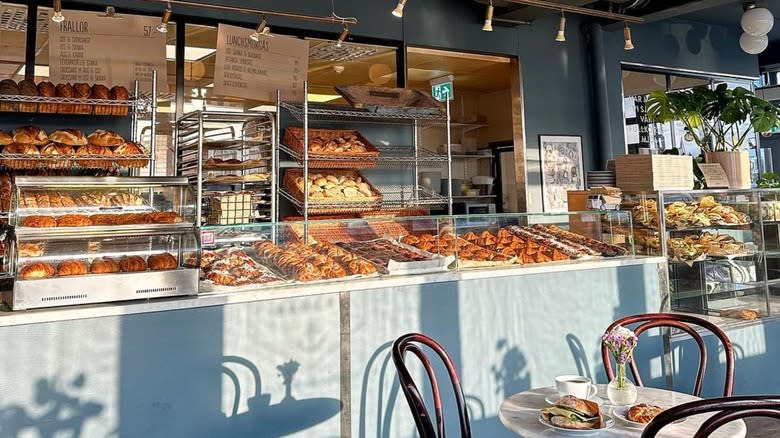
[331,191]
[717,243]
[80,98]
[80,240]
[228,159]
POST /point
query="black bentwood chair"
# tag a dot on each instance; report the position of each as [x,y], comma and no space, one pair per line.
[728,408]
[412,343]
[687,324]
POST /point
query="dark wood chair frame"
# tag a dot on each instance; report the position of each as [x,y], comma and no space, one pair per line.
[411,343]
[683,322]
[728,408]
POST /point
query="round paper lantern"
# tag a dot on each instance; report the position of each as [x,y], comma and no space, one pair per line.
[753,44]
[757,21]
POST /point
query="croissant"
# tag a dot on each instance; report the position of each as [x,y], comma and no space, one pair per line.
[162,262]
[132,264]
[104,265]
[37,270]
[72,267]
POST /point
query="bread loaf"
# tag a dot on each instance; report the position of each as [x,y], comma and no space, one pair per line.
[66,91]
[103,93]
[132,264]
[105,138]
[5,138]
[93,162]
[70,137]
[30,135]
[37,270]
[131,148]
[9,88]
[119,93]
[82,91]
[47,89]
[162,262]
[18,162]
[28,88]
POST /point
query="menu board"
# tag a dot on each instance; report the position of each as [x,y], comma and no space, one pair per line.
[257,69]
[95,49]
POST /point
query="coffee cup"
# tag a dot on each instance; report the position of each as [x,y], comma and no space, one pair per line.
[578,386]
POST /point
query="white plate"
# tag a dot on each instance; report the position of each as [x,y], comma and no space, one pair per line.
[554,397]
[608,422]
[621,413]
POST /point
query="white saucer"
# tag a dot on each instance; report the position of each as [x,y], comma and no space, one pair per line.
[552,398]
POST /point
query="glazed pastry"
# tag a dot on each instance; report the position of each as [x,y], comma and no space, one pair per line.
[105,138]
[47,89]
[30,135]
[37,270]
[132,264]
[66,91]
[131,148]
[119,93]
[104,265]
[103,219]
[27,249]
[70,137]
[5,138]
[162,262]
[103,93]
[74,220]
[70,268]
[28,88]
[9,88]
[643,413]
[82,91]
[38,222]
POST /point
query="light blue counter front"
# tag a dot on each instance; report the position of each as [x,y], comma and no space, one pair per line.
[310,362]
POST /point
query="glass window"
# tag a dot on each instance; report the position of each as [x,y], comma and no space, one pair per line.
[641,133]
[13,28]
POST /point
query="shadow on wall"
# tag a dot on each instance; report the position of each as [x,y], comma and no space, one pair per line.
[264,419]
[64,410]
[385,406]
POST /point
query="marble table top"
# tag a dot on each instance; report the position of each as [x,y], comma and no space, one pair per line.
[519,413]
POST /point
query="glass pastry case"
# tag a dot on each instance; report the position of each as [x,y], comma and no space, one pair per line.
[718,243]
[80,240]
[279,254]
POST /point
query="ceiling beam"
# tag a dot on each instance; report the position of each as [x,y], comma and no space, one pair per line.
[578,10]
[686,8]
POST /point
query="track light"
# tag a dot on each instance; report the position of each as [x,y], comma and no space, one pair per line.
[561,37]
[342,37]
[163,26]
[488,27]
[57,17]
[399,10]
[262,29]
[627,36]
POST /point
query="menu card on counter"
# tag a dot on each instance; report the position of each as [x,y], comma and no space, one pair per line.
[257,69]
[94,49]
[714,175]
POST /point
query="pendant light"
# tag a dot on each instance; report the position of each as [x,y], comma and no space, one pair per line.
[627,37]
[561,37]
[488,27]
[342,37]
[757,21]
[163,26]
[262,29]
[399,10]
[58,17]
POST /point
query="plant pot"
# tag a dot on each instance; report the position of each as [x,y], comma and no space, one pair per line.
[736,164]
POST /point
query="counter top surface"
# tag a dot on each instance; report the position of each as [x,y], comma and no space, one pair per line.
[260,293]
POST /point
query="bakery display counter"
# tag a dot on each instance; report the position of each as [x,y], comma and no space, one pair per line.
[81,240]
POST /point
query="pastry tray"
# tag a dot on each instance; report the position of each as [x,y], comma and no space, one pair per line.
[250,164]
[436,263]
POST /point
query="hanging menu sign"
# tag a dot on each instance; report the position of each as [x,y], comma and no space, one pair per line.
[95,49]
[257,69]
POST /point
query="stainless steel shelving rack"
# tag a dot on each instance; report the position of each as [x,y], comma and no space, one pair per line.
[411,156]
[201,135]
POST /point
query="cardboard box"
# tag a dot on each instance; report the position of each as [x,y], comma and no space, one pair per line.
[647,173]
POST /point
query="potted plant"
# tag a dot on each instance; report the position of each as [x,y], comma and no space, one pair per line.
[719,122]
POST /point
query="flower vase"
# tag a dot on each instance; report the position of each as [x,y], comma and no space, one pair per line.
[621,391]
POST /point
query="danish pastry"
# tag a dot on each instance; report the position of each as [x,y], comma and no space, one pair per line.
[38,222]
[643,413]
[74,220]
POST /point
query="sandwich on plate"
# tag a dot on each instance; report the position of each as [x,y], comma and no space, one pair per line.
[570,412]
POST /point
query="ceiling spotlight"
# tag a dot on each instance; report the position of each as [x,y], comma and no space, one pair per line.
[399,10]
[488,27]
[58,17]
[342,37]
[163,26]
[627,36]
[757,21]
[561,37]
[262,29]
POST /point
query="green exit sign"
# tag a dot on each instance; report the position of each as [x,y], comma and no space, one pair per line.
[442,92]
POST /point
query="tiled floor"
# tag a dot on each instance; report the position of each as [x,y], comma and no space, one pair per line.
[763,428]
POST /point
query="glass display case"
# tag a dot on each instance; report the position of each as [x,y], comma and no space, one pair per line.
[718,243]
[278,254]
[88,240]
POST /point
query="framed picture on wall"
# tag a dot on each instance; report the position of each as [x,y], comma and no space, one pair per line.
[561,157]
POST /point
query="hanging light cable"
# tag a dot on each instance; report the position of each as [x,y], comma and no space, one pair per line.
[627,36]
[262,29]
[488,27]
[399,10]
[561,37]
[342,37]
[58,17]
[163,26]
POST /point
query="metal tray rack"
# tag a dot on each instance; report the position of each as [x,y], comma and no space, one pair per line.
[243,136]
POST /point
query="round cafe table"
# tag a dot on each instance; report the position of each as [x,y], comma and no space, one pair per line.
[520,414]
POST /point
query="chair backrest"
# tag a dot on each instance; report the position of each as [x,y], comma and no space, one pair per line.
[728,409]
[412,343]
[687,324]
